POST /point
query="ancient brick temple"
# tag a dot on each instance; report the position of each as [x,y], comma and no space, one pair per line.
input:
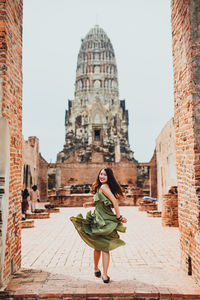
[186,65]
[96,121]
[96,126]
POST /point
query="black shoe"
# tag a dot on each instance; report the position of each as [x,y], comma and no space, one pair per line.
[97,274]
[106,280]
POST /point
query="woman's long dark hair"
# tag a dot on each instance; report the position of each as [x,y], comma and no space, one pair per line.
[112,182]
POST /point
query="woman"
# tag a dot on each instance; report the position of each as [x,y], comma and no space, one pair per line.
[100,228]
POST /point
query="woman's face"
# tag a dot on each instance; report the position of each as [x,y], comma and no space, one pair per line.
[103,178]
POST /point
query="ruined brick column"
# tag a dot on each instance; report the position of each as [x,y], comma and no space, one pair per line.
[170,210]
[11,137]
[186,64]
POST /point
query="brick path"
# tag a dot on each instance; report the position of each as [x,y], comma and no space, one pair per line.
[57,263]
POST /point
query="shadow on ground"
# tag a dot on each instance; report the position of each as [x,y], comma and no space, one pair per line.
[37,284]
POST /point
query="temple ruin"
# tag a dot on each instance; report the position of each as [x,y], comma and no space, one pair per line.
[186,51]
[96,131]
[96,122]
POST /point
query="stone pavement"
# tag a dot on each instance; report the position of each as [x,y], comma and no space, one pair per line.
[57,264]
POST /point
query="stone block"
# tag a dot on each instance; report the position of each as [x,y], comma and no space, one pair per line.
[38,216]
[28,224]
[147,206]
[154,213]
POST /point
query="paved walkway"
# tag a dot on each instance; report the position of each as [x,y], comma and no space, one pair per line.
[56,262]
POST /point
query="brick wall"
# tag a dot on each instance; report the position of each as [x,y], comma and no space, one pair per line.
[35,167]
[43,178]
[86,173]
[138,179]
[170,210]
[186,61]
[186,64]
[153,176]
[166,160]
[11,112]
[30,161]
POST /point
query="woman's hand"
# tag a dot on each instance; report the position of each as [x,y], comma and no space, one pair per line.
[123,220]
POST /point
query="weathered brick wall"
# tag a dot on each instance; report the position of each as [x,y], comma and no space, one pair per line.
[166,160]
[170,210]
[11,110]
[134,177]
[186,64]
[35,167]
[153,176]
[43,178]
[86,173]
[143,177]
[76,200]
[30,160]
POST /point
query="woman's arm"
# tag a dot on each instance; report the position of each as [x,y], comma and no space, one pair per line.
[107,192]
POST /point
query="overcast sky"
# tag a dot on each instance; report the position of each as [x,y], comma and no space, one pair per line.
[140,32]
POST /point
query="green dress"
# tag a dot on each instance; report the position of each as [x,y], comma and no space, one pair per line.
[100,229]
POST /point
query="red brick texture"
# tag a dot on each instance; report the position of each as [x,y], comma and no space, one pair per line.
[70,200]
[186,64]
[84,173]
[138,179]
[166,160]
[30,159]
[170,210]
[11,109]
[148,207]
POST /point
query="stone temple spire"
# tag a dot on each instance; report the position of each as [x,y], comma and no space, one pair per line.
[96,74]
[96,122]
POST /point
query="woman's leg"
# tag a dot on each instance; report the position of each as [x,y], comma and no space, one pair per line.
[97,254]
[106,261]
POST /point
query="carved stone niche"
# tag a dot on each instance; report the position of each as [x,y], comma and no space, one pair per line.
[97,136]
[4,188]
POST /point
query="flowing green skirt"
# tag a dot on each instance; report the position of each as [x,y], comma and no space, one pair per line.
[99,231]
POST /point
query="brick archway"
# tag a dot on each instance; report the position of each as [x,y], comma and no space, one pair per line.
[186,52]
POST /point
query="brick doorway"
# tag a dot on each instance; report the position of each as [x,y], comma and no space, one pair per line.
[186,52]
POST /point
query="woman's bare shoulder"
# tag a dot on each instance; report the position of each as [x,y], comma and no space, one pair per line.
[105,188]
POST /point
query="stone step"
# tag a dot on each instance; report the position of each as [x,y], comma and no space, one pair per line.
[52,210]
[147,206]
[154,213]
[47,210]
[97,294]
[40,210]
[28,224]
[38,216]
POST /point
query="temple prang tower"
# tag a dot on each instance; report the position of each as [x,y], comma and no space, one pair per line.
[96,131]
[96,122]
